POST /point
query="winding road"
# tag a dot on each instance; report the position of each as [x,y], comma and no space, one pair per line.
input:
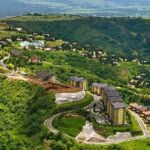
[48,122]
[146,133]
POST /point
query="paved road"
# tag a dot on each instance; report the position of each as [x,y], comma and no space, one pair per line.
[141,123]
[48,122]
[146,133]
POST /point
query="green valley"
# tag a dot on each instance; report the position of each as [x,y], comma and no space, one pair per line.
[39,54]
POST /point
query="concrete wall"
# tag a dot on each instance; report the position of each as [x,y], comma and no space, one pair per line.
[69,97]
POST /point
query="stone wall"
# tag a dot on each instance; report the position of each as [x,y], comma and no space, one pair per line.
[69,97]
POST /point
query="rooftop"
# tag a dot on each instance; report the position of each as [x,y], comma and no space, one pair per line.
[115,98]
[142,108]
[77,79]
[99,85]
[133,104]
[147,113]
[118,105]
[44,75]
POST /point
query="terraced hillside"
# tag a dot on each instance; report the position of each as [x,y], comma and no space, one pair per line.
[123,36]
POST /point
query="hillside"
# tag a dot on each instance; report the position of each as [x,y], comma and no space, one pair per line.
[123,36]
[26,99]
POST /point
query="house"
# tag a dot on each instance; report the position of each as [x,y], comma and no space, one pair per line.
[78,82]
[146,114]
[30,39]
[9,41]
[140,109]
[16,53]
[133,106]
[148,120]
[35,60]
[3,43]
[19,39]
[118,113]
[133,82]
[45,76]
[48,49]
[18,29]
[35,34]
[115,63]
[97,88]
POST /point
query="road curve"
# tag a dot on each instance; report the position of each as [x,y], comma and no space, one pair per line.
[146,133]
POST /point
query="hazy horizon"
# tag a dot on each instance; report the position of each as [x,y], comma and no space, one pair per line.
[95,7]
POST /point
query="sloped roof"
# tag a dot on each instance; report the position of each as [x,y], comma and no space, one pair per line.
[77,79]
[99,85]
[147,113]
[118,105]
[44,74]
[110,91]
[115,98]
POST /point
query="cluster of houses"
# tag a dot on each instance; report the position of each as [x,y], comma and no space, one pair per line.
[113,103]
[143,111]
[5,42]
[112,59]
[140,80]
[46,76]
[33,59]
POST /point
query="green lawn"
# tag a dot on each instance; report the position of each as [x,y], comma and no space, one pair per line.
[135,126]
[133,145]
[137,145]
[54,43]
[71,125]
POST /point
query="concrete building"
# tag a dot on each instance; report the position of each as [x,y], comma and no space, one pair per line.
[78,82]
[113,103]
[118,113]
[97,88]
[111,100]
[45,76]
[108,91]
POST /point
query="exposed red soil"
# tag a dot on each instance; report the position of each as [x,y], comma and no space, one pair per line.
[54,87]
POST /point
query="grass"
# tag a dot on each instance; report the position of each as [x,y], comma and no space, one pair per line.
[71,125]
[132,145]
[54,43]
[135,126]
[3,26]
[137,145]
[44,18]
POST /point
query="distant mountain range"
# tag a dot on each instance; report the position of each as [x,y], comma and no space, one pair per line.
[83,7]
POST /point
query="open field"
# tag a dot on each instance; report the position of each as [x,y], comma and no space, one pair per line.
[71,125]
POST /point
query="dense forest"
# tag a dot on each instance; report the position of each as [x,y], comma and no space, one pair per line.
[126,36]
